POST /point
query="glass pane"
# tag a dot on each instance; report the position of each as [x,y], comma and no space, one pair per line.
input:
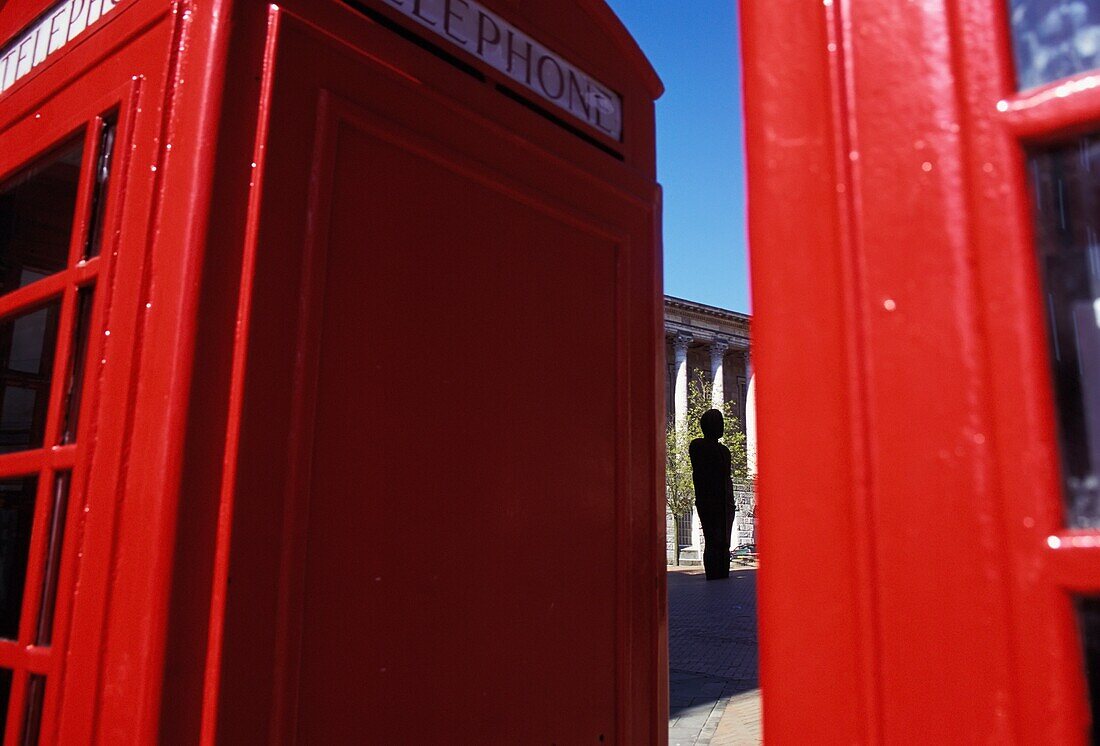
[77,362]
[32,719]
[26,362]
[28,335]
[16,518]
[53,559]
[1065,182]
[36,218]
[99,195]
[1052,39]
[1088,621]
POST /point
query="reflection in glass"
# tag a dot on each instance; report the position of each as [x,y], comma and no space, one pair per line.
[1065,182]
[27,276]
[17,409]
[28,334]
[1053,39]
[16,518]
[37,207]
[26,366]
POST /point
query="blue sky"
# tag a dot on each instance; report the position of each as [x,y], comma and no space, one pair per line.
[700,156]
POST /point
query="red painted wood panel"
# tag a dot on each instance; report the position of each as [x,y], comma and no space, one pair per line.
[403,220]
[454,535]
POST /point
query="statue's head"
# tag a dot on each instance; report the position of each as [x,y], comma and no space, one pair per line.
[712,423]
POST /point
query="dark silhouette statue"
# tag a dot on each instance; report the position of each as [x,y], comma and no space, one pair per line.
[711,472]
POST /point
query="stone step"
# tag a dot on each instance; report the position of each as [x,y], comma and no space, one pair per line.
[690,557]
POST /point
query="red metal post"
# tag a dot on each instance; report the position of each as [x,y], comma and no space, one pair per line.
[909,471]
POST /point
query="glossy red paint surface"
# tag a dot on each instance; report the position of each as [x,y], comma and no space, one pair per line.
[909,472]
[375,427]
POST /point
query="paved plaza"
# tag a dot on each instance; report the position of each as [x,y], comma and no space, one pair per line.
[714,695]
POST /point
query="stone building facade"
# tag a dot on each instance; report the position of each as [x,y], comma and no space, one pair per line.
[711,344]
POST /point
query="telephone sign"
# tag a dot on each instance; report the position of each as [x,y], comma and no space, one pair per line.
[60,25]
[476,30]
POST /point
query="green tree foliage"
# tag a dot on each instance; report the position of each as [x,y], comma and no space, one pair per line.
[679,490]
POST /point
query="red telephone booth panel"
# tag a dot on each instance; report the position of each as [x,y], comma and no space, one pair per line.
[928,337]
[343,423]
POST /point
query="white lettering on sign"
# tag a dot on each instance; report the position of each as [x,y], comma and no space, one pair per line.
[63,23]
[484,34]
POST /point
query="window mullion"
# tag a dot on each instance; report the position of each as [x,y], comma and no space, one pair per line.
[16,700]
[59,377]
[1072,560]
[28,617]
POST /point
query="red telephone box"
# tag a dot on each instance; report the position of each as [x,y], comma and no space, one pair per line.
[922,221]
[329,410]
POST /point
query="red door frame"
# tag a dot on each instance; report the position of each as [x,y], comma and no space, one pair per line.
[71,117]
[909,476]
[111,688]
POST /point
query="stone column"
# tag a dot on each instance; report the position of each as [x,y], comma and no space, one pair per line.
[717,374]
[750,415]
[680,399]
[750,442]
[680,345]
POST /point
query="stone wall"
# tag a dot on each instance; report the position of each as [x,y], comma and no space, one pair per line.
[670,538]
[744,526]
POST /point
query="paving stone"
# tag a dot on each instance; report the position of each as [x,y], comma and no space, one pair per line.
[713,694]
